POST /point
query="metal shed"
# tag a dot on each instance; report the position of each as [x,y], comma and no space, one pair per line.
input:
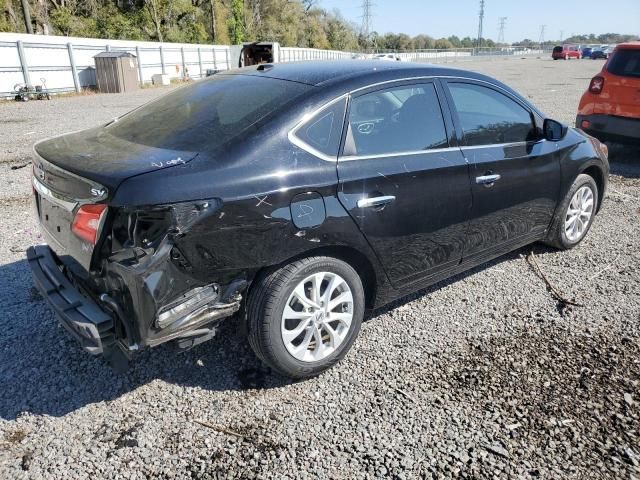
[116,72]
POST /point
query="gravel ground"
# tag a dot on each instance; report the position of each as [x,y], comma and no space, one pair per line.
[485,375]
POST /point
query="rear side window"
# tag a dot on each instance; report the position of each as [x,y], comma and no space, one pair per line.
[489,117]
[625,63]
[396,120]
[322,132]
[207,113]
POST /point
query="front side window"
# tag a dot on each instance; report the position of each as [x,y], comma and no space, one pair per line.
[396,120]
[489,117]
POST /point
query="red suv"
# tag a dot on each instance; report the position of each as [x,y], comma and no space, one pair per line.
[567,52]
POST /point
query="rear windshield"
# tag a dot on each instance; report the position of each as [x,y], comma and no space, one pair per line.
[207,113]
[557,49]
[625,63]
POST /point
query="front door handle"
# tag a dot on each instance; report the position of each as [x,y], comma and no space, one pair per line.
[488,179]
[375,201]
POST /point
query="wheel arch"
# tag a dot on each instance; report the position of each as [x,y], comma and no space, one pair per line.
[596,172]
[356,259]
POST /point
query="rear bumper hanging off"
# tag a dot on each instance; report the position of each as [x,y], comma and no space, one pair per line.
[78,314]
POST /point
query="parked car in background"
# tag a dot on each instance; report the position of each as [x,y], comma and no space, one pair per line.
[610,108]
[586,52]
[297,195]
[566,52]
[391,57]
[601,53]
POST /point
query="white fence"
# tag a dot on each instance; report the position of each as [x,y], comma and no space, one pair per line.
[457,54]
[67,64]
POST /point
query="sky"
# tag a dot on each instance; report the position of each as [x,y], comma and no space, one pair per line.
[439,18]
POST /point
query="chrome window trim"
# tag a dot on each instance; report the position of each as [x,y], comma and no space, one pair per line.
[350,158]
[316,153]
[498,145]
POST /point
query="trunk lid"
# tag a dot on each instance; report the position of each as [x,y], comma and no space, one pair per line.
[81,168]
[96,155]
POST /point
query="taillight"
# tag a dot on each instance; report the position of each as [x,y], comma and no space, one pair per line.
[596,85]
[87,221]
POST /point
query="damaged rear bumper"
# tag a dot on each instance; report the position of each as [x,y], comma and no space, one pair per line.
[78,314]
[104,326]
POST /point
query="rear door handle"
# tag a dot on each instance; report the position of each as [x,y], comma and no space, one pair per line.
[375,201]
[488,179]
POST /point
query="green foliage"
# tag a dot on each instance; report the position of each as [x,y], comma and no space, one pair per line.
[111,23]
[291,22]
[236,22]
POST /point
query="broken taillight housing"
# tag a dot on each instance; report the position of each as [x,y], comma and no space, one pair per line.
[596,85]
[88,220]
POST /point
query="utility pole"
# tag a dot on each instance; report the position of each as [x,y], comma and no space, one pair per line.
[561,36]
[503,20]
[367,15]
[27,16]
[480,22]
[542,29]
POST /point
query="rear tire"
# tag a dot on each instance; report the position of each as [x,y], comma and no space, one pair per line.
[288,332]
[574,216]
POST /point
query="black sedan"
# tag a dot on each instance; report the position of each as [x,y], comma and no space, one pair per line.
[600,54]
[292,198]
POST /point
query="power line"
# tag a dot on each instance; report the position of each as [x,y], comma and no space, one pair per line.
[503,20]
[542,29]
[367,16]
[480,22]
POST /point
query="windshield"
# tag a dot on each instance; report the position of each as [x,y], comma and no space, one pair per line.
[207,113]
[625,63]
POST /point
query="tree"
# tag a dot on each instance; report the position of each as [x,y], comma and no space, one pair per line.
[443,43]
[300,23]
[153,8]
[236,22]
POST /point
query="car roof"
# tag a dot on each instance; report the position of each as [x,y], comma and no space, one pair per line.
[629,46]
[334,72]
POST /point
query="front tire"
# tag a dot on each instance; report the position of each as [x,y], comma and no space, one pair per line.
[304,317]
[575,214]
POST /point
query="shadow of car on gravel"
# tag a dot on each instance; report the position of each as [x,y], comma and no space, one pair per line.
[624,160]
[44,371]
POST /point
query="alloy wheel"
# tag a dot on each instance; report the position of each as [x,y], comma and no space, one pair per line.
[579,213]
[317,316]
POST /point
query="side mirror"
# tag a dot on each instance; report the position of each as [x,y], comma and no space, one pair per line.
[554,131]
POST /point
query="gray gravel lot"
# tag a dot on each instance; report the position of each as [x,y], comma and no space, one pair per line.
[485,375]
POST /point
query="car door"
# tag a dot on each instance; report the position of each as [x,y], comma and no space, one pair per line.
[403,182]
[515,174]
